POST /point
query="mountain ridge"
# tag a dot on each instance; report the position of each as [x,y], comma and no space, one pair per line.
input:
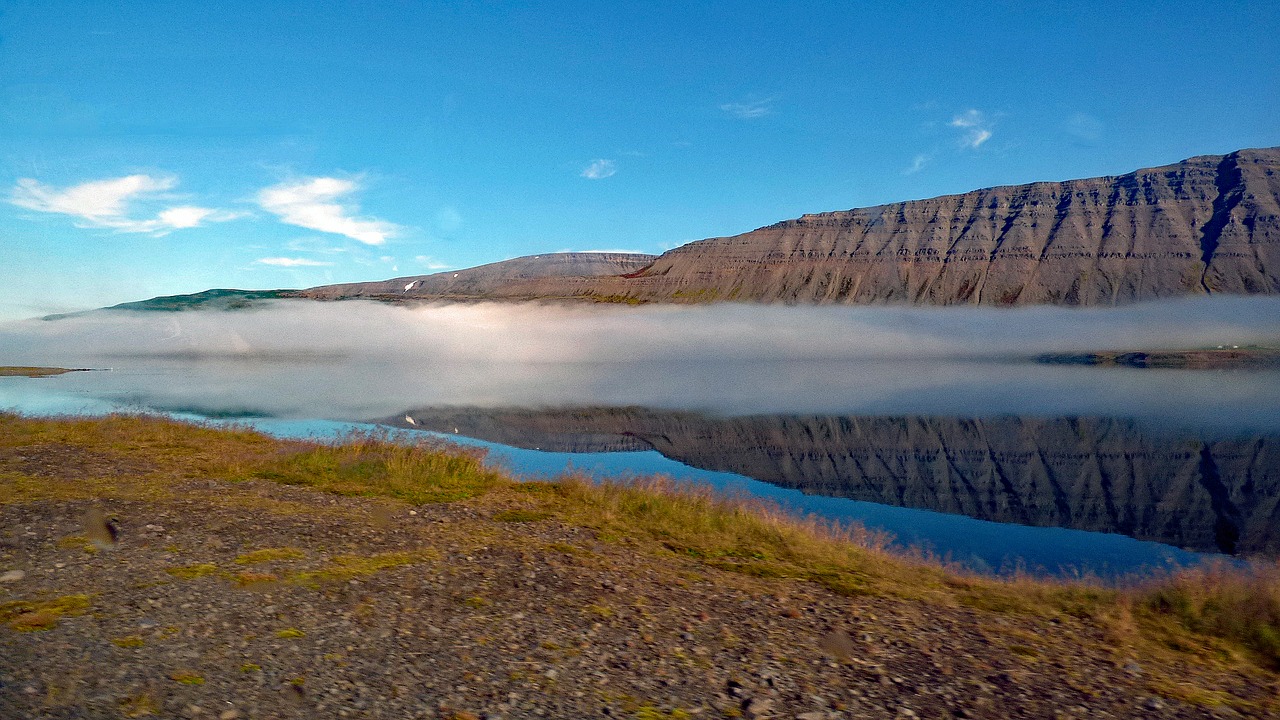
[1209,224]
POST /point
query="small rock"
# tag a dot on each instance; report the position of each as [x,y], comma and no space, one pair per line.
[757,707]
[229,715]
[1154,704]
[812,716]
[12,576]
[838,644]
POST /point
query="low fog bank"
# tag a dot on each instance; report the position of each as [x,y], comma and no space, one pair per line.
[356,361]
[536,333]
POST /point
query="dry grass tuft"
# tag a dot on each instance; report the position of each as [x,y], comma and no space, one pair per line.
[1241,605]
[370,464]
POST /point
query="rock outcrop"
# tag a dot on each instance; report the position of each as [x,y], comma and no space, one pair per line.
[1097,474]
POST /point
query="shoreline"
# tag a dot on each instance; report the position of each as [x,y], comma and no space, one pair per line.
[253,575]
[38,372]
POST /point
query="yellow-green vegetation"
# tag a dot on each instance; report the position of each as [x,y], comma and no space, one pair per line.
[290,633]
[1241,606]
[246,578]
[1221,615]
[266,555]
[77,542]
[191,572]
[187,677]
[350,567]
[11,371]
[371,465]
[521,516]
[29,615]
[250,667]
[129,641]
[615,299]
[649,712]
[140,706]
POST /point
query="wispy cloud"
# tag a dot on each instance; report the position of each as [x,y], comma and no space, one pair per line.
[431,263]
[313,245]
[917,164]
[106,204]
[1084,127]
[292,262]
[617,251]
[311,203]
[749,110]
[976,127]
[600,169]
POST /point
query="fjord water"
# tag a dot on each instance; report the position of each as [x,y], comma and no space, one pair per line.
[899,423]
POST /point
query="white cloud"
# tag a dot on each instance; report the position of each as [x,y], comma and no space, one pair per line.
[749,110]
[917,164]
[310,204]
[431,263]
[599,169]
[292,262]
[105,204]
[976,126]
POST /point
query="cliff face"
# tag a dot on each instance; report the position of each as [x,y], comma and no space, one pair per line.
[1206,225]
[1093,474]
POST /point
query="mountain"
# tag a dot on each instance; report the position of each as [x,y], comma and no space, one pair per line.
[479,282]
[1209,224]
[470,284]
[1097,474]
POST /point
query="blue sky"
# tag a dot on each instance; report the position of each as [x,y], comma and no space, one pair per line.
[152,148]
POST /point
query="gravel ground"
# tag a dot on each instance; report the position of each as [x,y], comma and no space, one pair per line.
[442,611]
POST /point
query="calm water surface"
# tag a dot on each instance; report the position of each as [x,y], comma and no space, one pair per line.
[998,465]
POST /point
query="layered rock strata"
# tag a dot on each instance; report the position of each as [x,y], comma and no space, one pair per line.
[1097,474]
[1209,224]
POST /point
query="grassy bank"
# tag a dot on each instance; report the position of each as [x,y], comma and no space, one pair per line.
[1228,618]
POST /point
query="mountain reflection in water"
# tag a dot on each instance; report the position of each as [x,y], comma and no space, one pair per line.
[1096,474]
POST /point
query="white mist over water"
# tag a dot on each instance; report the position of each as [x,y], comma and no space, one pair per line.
[356,360]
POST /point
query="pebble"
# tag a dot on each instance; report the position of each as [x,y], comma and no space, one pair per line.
[12,576]
[758,707]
